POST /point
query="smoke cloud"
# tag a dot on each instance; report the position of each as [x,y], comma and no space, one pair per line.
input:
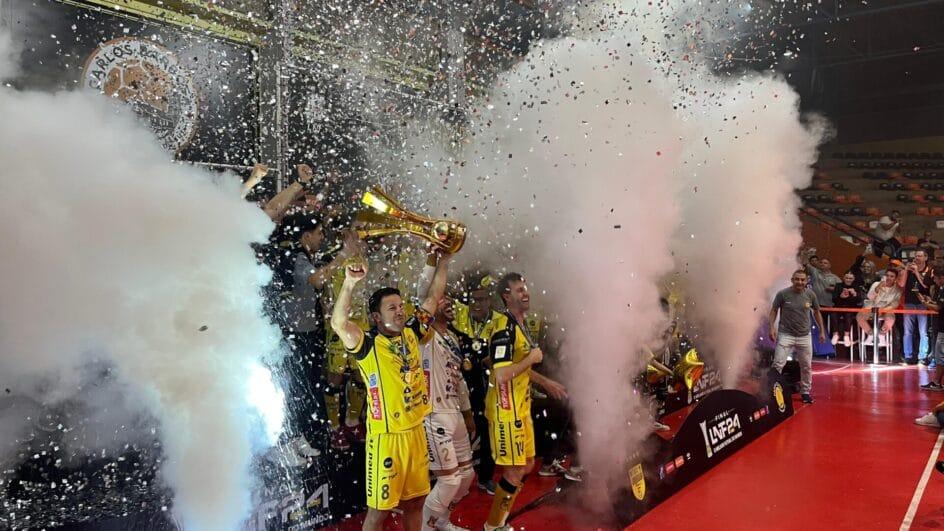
[608,159]
[131,293]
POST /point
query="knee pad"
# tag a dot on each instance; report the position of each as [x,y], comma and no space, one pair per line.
[442,494]
[466,475]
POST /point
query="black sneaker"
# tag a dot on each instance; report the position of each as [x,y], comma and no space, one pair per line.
[488,487]
[932,386]
[807,399]
[939,466]
[926,362]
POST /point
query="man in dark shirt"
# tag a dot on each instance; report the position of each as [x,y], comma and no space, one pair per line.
[936,303]
[793,332]
[916,280]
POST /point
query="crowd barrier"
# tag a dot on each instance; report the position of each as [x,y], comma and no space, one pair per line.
[876,340]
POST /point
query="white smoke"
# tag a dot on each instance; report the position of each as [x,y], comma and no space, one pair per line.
[116,257]
[599,158]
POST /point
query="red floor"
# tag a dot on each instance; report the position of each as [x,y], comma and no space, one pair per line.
[853,460]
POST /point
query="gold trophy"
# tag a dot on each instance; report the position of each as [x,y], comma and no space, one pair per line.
[388,217]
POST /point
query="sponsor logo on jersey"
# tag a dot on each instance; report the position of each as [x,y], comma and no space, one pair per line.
[376,412]
[504,395]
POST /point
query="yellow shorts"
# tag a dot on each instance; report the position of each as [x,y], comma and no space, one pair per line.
[512,441]
[397,467]
[339,360]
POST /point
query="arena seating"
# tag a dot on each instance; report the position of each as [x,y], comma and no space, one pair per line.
[859,186]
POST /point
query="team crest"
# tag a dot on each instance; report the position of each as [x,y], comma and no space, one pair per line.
[150,79]
[778,396]
[638,480]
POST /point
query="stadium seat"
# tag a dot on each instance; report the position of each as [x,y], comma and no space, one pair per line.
[856,211]
[937,211]
[910,240]
[856,199]
[931,198]
[862,225]
[852,164]
[872,211]
[912,186]
[842,212]
[841,199]
[898,186]
[868,175]
[839,186]
[825,187]
[918,198]
[885,186]
[923,211]
[908,175]
[823,198]
[904,198]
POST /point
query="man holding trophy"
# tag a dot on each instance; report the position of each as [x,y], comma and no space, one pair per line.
[389,359]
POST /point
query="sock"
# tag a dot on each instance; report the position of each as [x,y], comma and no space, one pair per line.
[356,397]
[332,398]
[436,507]
[505,494]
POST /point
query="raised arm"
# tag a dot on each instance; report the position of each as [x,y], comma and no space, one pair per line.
[352,247]
[259,171]
[278,205]
[351,335]
[437,288]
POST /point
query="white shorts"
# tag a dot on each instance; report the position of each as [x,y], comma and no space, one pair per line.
[447,440]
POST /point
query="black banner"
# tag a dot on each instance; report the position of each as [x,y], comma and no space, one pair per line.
[719,425]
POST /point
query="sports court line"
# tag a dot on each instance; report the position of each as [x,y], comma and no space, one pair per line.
[922,484]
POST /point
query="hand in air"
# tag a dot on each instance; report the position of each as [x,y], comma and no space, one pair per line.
[355,270]
[305,175]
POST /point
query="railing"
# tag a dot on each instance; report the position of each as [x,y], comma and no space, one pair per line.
[875,313]
[858,235]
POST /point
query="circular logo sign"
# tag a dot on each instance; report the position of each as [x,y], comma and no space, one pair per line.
[148,77]
[778,396]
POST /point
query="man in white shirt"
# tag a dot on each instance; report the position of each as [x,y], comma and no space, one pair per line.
[885,294]
[449,426]
[886,235]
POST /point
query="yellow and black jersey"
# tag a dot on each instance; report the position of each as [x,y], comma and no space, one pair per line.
[397,393]
[508,343]
[477,333]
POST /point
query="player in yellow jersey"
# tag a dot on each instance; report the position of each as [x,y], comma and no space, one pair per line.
[508,402]
[388,357]
[471,324]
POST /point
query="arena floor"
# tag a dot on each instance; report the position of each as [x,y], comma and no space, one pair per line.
[853,460]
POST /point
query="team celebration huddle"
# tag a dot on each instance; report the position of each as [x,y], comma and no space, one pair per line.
[419,415]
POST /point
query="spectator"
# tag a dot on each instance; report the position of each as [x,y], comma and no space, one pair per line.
[822,279]
[936,302]
[915,280]
[928,244]
[886,235]
[793,332]
[864,270]
[846,295]
[884,295]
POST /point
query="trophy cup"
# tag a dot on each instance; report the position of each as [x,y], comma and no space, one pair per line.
[388,217]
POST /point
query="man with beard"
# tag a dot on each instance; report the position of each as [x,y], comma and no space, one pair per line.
[388,357]
[793,333]
[450,424]
[508,401]
[471,325]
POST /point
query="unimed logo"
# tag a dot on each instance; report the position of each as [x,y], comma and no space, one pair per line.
[721,431]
